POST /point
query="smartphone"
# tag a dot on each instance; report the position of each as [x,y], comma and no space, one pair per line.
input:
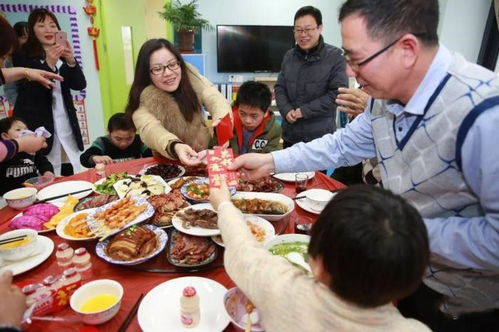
[61,38]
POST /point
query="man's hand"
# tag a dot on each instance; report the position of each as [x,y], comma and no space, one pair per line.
[102,160]
[290,117]
[253,166]
[351,101]
[13,303]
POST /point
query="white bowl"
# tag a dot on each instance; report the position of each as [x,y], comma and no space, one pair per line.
[235,305]
[318,198]
[287,238]
[20,198]
[92,289]
[22,250]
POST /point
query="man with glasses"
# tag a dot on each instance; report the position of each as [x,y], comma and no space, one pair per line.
[432,123]
[306,89]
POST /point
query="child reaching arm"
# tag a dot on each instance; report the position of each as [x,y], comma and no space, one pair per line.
[368,248]
[121,144]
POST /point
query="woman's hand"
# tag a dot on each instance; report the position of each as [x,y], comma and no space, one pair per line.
[68,55]
[351,101]
[219,195]
[31,143]
[13,302]
[187,155]
[43,77]
[53,53]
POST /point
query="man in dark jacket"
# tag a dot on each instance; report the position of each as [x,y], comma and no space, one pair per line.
[307,86]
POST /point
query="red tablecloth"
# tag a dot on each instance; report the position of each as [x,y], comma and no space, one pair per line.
[136,282]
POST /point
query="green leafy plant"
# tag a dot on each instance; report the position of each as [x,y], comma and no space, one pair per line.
[185,17]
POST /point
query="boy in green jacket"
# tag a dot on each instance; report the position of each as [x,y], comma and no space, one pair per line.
[255,126]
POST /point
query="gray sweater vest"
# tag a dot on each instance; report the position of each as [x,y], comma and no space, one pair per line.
[425,168]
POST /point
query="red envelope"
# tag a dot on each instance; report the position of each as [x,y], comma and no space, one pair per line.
[218,160]
[224,130]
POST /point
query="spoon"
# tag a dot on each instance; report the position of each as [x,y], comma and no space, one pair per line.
[298,259]
[250,319]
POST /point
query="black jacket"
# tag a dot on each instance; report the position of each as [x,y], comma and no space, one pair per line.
[15,171]
[309,81]
[34,101]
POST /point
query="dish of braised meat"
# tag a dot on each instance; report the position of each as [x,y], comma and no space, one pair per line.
[188,250]
[132,243]
[203,218]
[165,207]
[267,184]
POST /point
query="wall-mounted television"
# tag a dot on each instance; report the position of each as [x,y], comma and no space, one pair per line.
[252,48]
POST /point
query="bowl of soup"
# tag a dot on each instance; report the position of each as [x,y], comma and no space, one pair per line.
[18,244]
[98,301]
[20,198]
[293,247]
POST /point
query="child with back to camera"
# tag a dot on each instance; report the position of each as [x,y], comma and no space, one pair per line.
[121,144]
[23,165]
[368,248]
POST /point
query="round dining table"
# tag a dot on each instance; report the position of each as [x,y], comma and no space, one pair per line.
[140,279]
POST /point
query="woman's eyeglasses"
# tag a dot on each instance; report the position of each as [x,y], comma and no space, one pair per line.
[160,69]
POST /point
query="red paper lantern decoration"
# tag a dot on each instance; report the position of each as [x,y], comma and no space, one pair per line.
[92,31]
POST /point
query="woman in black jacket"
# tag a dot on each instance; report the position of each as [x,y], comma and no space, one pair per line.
[53,108]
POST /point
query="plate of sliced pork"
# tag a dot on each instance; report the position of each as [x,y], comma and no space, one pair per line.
[198,220]
[190,251]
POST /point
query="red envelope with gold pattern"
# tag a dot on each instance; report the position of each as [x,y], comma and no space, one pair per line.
[218,160]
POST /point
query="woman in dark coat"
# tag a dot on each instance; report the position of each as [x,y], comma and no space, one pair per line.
[53,108]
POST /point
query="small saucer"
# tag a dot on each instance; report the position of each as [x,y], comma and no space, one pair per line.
[303,203]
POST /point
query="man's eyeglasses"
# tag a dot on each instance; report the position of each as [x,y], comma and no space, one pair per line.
[160,69]
[355,65]
[299,31]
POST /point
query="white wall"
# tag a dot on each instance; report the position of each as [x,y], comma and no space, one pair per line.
[461,23]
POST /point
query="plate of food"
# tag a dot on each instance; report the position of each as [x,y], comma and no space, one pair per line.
[165,206]
[266,184]
[190,251]
[176,184]
[165,171]
[261,229]
[198,190]
[113,217]
[35,216]
[96,201]
[293,247]
[270,206]
[65,187]
[105,185]
[290,177]
[198,220]
[74,227]
[143,186]
[133,245]
[160,308]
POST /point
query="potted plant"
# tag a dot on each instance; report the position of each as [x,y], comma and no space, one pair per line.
[186,21]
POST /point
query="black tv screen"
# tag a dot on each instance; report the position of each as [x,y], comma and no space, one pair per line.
[252,48]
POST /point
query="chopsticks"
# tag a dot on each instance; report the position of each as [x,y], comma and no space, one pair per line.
[12,239]
[62,195]
[298,197]
[131,314]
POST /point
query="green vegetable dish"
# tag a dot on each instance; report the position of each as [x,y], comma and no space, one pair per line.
[282,249]
[106,187]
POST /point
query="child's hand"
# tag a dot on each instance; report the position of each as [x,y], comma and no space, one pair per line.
[102,160]
[48,175]
[219,195]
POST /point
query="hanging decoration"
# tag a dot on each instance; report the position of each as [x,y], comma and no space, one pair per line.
[92,31]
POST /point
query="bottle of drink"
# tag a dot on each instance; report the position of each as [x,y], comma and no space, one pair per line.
[189,307]
[30,291]
[71,276]
[81,261]
[64,255]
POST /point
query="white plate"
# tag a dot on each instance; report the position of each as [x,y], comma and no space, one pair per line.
[44,250]
[65,187]
[196,231]
[147,213]
[271,197]
[303,203]
[290,177]
[157,178]
[161,237]
[159,311]
[56,203]
[62,224]
[266,225]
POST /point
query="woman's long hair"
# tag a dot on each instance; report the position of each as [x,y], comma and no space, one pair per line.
[8,38]
[33,48]
[184,95]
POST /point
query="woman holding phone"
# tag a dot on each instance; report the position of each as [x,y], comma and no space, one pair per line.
[48,49]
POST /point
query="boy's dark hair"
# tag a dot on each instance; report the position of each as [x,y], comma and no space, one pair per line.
[6,123]
[390,19]
[373,244]
[255,94]
[309,10]
[119,121]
